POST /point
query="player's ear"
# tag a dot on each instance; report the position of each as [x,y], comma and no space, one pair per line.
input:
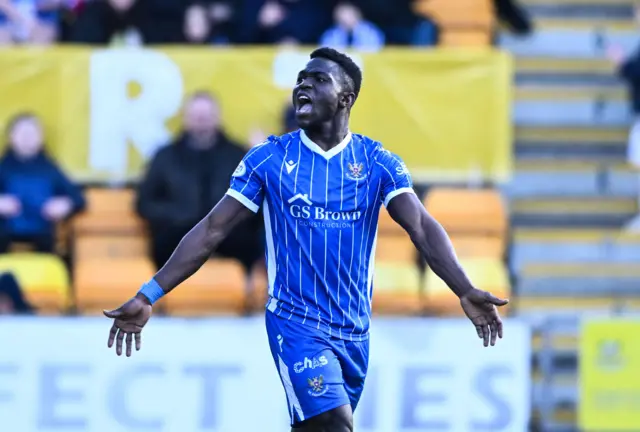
[347,99]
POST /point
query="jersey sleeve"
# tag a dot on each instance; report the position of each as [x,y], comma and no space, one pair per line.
[247,181]
[395,176]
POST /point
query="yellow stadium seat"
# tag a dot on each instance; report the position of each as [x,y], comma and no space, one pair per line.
[109,269]
[43,277]
[461,22]
[468,211]
[465,38]
[218,287]
[257,299]
[396,249]
[396,289]
[109,211]
[485,273]
[98,246]
[107,283]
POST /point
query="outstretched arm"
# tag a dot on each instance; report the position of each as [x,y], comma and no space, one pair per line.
[198,244]
[192,252]
[431,240]
[243,199]
[434,244]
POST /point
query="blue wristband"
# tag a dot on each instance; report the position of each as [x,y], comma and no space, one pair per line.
[152,291]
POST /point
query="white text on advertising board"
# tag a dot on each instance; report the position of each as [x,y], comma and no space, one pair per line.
[180,383]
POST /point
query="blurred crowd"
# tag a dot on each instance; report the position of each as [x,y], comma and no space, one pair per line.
[363,24]
[183,181]
[360,24]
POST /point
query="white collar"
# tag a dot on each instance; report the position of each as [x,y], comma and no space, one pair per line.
[326,154]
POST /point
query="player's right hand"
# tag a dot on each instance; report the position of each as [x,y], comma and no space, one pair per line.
[129,319]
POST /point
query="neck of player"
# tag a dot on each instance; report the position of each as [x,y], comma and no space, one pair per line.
[329,134]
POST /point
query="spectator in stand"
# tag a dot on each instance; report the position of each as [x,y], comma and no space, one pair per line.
[29,21]
[398,22]
[200,29]
[108,22]
[130,22]
[34,193]
[284,21]
[186,178]
[352,31]
[12,301]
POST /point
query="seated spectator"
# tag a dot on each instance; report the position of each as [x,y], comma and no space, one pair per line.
[12,301]
[199,28]
[108,22]
[34,193]
[186,178]
[30,21]
[352,31]
[399,23]
[284,21]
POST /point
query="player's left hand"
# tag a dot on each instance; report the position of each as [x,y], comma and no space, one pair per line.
[480,308]
[128,321]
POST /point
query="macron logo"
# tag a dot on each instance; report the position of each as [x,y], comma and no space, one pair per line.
[290,166]
[303,197]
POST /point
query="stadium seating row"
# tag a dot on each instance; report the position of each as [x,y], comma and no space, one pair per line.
[461,22]
[111,259]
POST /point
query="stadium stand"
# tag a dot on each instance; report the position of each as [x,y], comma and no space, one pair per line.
[109,211]
[477,221]
[218,287]
[107,268]
[461,22]
[44,279]
[572,190]
[110,250]
[397,277]
[486,273]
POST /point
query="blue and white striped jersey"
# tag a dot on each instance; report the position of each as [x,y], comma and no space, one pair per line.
[321,220]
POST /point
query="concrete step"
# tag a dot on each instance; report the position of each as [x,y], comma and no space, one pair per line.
[577,178]
[579,10]
[577,92]
[565,72]
[575,38]
[570,212]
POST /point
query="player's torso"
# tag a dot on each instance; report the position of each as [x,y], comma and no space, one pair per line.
[317,193]
[322,212]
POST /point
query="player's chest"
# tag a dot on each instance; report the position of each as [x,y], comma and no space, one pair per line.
[334,184]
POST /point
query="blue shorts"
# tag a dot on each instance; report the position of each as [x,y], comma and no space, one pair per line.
[319,372]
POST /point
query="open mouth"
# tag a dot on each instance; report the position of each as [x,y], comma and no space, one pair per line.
[304,104]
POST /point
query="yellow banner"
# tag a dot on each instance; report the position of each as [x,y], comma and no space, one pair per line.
[610,376]
[106,111]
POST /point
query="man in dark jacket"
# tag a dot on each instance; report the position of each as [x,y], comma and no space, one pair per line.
[34,193]
[186,178]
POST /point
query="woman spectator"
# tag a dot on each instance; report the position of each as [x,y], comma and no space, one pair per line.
[34,193]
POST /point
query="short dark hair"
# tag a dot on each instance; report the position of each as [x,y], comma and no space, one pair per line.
[347,64]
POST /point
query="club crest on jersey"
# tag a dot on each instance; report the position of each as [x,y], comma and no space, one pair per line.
[355,171]
[317,386]
[240,170]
